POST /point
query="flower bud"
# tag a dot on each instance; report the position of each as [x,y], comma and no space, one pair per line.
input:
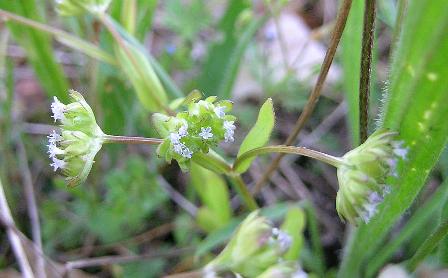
[201,127]
[81,138]
[363,173]
[253,248]
[79,7]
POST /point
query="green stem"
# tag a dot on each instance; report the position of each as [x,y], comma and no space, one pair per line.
[326,158]
[131,140]
[243,191]
[63,37]
[366,67]
[212,161]
[428,246]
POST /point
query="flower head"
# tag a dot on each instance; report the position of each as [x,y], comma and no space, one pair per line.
[202,126]
[363,173]
[73,150]
[254,247]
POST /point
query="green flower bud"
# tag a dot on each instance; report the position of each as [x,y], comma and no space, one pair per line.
[79,7]
[81,138]
[201,127]
[363,173]
[253,248]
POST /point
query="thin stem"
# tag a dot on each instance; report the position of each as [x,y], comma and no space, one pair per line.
[366,67]
[212,161]
[31,205]
[131,140]
[428,245]
[63,37]
[314,96]
[108,260]
[326,158]
[243,191]
[16,243]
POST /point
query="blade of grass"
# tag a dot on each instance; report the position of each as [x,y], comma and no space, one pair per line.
[416,222]
[351,61]
[428,246]
[413,108]
[63,37]
[38,48]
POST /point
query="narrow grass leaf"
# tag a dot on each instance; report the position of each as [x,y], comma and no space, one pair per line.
[415,107]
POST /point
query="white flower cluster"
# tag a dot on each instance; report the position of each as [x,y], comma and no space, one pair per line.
[229,127]
[178,146]
[53,150]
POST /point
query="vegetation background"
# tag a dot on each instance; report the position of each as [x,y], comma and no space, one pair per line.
[146,218]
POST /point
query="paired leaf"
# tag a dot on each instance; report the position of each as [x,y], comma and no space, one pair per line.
[259,135]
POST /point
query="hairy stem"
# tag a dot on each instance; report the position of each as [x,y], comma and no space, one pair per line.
[334,161]
[314,96]
[366,67]
[131,140]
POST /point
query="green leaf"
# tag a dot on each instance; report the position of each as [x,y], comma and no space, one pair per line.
[213,191]
[259,135]
[415,107]
[418,221]
[351,61]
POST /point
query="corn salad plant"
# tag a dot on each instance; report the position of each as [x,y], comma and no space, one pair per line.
[190,196]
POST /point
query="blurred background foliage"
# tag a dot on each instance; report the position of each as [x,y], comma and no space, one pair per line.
[135,204]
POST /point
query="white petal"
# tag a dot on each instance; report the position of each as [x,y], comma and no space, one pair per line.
[219,111]
[58,108]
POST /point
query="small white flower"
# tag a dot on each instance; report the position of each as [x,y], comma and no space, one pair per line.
[399,150]
[229,128]
[206,133]
[58,164]
[54,137]
[186,152]
[371,206]
[183,150]
[178,148]
[183,130]
[58,108]
[53,150]
[283,238]
[175,138]
[219,111]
